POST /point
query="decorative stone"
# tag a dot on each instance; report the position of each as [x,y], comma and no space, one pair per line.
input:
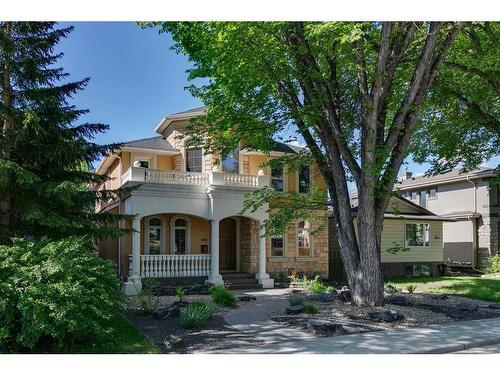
[398,300]
[170,311]
[327,296]
[344,295]
[295,309]
[494,306]
[439,296]
[247,298]
[387,316]
[172,342]
[466,307]
[324,326]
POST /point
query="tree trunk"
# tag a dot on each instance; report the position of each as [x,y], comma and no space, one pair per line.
[5,209]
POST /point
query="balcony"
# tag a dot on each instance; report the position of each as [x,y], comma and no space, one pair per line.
[171,177]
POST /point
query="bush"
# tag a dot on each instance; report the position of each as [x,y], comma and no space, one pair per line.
[411,288]
[149,302]
[54,294]
[179,292]
[494,264]
[295,300]
[316,286]
[311,309]
[223,297]
[331,289]
[194,315]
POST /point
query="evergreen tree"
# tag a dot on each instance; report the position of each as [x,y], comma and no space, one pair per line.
[46,159]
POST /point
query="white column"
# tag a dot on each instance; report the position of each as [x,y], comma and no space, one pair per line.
[262,276]
[133,285]
[214,277]
[238,241]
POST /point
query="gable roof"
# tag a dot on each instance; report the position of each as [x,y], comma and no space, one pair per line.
[452,176]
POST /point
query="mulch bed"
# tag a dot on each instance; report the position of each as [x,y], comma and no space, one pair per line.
[215,335]
[417,310]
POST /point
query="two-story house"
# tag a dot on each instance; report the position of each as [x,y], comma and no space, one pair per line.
[472,200]
[188,220]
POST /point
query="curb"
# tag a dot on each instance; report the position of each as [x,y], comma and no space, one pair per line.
[459,346]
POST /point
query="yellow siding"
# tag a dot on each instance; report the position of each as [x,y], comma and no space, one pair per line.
[394,231]
[200,234]
[255,162]
[165,162]
[125,156]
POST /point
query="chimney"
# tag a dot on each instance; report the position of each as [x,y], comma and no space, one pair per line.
[405,175]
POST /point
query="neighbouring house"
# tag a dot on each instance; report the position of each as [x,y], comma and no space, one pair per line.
[412,241]
[472,200]
[188,221]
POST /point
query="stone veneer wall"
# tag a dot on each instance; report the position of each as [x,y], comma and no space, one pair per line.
[249,246]
[488,240]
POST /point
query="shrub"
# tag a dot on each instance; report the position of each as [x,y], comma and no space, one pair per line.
[223,297]
[494,264]
[311,309]
[411,288]
[54,294]
[194,315]
[316,286]
[331,289]
[390,289]
[295,300]
[179,292]
[149,302]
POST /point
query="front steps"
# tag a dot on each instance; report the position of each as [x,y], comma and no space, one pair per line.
[240,280]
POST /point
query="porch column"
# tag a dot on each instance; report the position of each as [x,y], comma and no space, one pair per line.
[133,285]
[214,277]
[262,276]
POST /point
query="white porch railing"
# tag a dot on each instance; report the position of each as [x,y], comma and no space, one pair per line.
[175,265]
[164,176]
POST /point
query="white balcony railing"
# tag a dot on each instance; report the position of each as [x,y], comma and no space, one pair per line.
[186,265]
[163,176]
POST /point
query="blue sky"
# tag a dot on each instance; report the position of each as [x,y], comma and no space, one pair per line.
[135,79]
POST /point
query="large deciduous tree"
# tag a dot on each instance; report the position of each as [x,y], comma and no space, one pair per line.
[46,159]
[354,92]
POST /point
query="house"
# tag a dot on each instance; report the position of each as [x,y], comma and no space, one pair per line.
[412,241]
[188,221]
[472,200]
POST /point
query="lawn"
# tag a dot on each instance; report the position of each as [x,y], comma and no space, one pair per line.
[464,286]
[120,337]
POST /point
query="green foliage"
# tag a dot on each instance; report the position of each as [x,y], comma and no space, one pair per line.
[179,292]
[194,315]
[46,157]
[54,294]
[311,309]
[391,289]
[148,301]
[494,264]
[222,297]
[411,288]
[316,286]
[331,289]
[295,300]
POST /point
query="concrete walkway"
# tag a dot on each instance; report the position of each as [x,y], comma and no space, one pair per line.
[445,338]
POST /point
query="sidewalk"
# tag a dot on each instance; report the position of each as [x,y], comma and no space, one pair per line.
[278,339]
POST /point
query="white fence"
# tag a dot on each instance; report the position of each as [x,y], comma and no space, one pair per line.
[175,265]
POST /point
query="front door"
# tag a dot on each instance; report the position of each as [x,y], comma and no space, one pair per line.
[227,244]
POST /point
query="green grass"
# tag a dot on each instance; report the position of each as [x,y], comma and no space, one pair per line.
[120,337]
[463,286]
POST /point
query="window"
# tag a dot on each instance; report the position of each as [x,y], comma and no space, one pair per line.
[180,235]
[418,235]
[277,178]
[304,239]
[414,195]
[194,159]
[230,163]
[154,236]
[144,163]
[277,246]
[418,270]
[304,178]
[432,193]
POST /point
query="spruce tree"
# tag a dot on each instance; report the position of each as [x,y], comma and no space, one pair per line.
[46,175]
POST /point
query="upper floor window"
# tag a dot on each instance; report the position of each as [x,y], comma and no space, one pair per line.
[414,195]
[277,178]
[418,235]
[277,246]
[432,193]
[304,239]
[194,159]
[231,163]
[154,236]
[304,178]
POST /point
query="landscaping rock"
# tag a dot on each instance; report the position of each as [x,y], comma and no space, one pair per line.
[295,309]
[327,296]
[494,306]
[324,327]
[387,316]
[344,295]
[466,307]
[398,300]
[439,296]
[173,342]
[247,298]
[171,311]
